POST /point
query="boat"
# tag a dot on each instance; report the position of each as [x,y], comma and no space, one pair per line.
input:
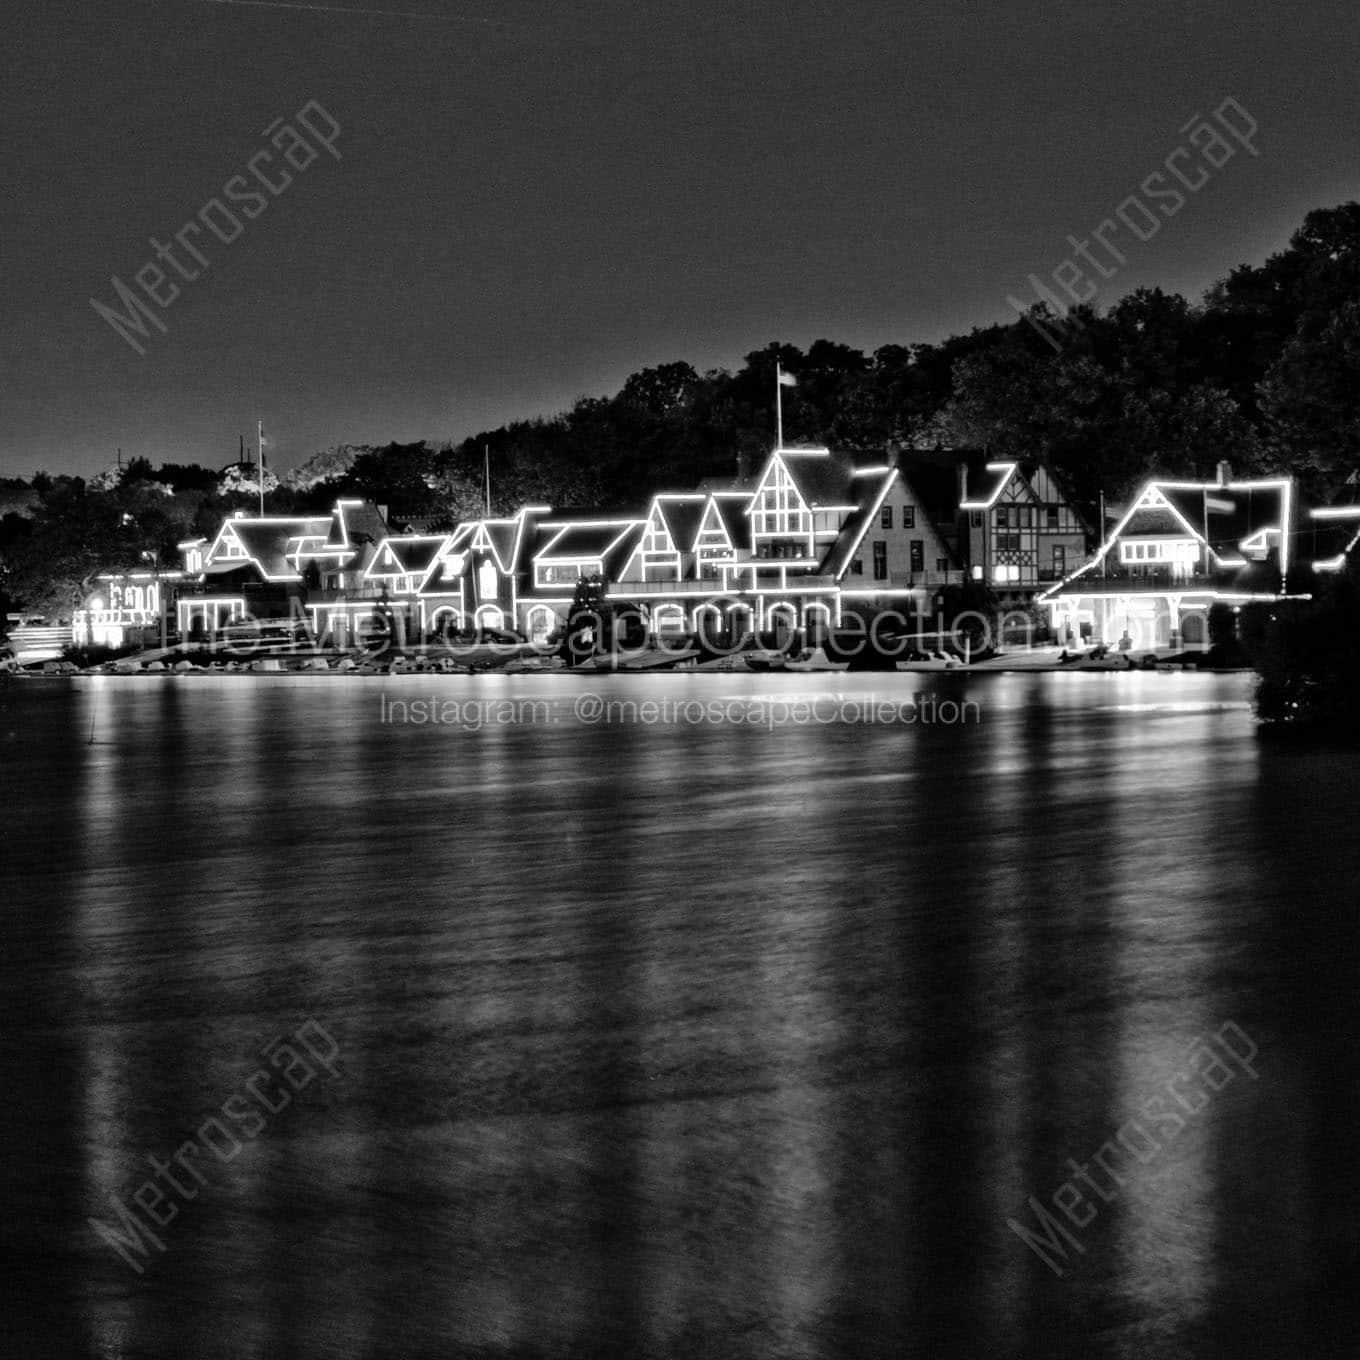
[762,659]
[815,660]
[652,659]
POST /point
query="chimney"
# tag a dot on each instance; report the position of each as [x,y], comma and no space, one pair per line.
[1224,473]
[963,482]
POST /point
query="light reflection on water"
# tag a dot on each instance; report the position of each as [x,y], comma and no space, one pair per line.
[674,1040]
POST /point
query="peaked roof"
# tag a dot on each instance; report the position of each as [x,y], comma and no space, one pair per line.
[729,508]
[682,513]
[1228,517]
[823,478]
[407,555]
[353,521]
[935,487]
[871,490]
[501,534]
[267,542]
[1239,522]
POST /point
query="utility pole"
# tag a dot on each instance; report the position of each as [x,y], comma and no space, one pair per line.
[486,473]
[259,430]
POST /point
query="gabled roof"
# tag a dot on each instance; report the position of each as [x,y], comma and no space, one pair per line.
[1229,517]
[510,541]
[871,491]
[934,486]
[728,509]
[494,536]
[933,474]
[682,513]
[270,543]
[1239,522]
[280,546]
[501,534]
[406,555]
[824,479]
[353,521]
[985,491]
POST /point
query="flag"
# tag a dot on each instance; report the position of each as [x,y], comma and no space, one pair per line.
[787,379]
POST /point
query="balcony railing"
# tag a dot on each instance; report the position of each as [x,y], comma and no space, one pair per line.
[755,576]
[905,580]
[1115,575]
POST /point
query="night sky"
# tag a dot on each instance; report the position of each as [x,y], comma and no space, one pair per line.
[534,199]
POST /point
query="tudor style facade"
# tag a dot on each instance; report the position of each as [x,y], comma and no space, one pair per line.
[826,532]
[1019,532]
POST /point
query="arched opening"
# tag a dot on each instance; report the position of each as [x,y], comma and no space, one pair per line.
[446,623]
[781,621]
[540,621]
[668,621]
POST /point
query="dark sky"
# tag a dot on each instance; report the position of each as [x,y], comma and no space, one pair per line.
[535,198]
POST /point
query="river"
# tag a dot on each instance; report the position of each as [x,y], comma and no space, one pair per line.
[724,1027]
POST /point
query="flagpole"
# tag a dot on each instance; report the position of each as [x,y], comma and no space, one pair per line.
[259,432]
[486,470]
[778,408]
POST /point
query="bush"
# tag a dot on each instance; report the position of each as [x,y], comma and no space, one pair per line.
[1307,654]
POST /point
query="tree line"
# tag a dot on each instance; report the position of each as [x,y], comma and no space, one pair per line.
[1263,371]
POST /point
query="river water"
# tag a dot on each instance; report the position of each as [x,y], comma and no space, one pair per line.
[717,1028]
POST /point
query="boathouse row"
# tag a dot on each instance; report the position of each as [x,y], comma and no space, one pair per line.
[814,535]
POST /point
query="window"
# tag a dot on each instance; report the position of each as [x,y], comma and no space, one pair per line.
[1159,550]
[1059,560]
[918,554]
[779,508]
[908,516]
[1026,513]
[941,564]
[857,566]
[975,519]
[1005,573]
[880,560]
[1052,514]
[885,517]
